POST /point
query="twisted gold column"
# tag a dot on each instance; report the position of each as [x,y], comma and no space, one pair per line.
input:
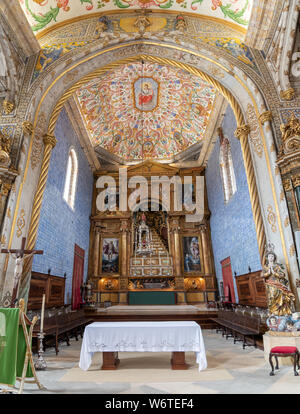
[96,251]
[242,133]
[205,249]
[49,142]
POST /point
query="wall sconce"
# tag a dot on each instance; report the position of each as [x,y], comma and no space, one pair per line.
[49,270]
[249,268]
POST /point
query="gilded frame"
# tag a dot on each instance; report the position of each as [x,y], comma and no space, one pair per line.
[113,273]
[191,272]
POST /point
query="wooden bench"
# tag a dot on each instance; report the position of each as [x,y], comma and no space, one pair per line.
[62,327]
[238,326]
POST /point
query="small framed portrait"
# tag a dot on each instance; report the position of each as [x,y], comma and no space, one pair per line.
[192,255]
[110,255]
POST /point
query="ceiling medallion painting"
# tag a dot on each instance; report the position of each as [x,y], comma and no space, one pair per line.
[145,94]
[42,14]
[145,110]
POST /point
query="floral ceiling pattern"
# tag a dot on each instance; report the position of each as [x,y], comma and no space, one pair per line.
[42,14]
[146,111]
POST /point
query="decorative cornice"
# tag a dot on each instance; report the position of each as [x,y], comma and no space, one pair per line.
[265,117]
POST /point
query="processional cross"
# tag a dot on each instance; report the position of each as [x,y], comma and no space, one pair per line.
[19,255]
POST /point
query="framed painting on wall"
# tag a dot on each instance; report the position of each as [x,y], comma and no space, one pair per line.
[110,255]
[192,255]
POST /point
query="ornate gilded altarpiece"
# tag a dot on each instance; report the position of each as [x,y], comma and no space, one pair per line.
[164,269]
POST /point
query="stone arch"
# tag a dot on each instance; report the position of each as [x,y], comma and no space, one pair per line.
[239,92]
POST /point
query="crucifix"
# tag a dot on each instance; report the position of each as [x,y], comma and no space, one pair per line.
[19,255]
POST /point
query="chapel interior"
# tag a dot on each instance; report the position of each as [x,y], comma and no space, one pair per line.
[150,172]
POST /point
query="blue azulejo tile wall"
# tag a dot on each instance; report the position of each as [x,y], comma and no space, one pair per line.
[61,226]
[232,226]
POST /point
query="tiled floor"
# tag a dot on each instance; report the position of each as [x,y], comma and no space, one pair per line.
[230,370]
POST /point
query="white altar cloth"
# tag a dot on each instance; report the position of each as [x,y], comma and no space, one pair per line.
[179,336]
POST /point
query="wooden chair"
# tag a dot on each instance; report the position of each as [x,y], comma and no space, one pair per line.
[284,351]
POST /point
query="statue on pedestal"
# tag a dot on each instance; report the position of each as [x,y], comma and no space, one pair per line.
[143,237]
[280,298]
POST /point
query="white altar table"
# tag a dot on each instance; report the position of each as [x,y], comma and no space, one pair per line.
[113,337]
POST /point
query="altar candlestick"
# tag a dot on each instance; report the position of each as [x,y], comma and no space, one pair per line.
[42,313]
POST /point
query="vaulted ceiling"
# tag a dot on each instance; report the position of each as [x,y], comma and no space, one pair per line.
[141,110]
[145,110]
[43,14]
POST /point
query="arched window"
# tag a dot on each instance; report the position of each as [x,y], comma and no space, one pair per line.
[226,168]
[71,178]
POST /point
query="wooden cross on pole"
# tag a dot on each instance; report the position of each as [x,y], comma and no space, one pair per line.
[19,255]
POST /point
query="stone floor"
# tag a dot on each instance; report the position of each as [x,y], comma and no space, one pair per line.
[231,370]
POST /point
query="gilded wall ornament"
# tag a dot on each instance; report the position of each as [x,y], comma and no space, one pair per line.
[287,184]
[101,26]
[288,94]
[180,23]
[265,117]
[50,140]
[296,181]
[20,223]
[292,250]
[3,240]
[5,147]
[290,136]
[8,107]
[271,218]
[5,188]
[27,127]
[291,128]
[242,131]
[37,147]
[142,22]
[255,138]
[286,221]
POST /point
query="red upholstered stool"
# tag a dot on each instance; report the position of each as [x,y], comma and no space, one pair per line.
[284,351]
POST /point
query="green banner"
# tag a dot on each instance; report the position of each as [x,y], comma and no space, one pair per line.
[12,347]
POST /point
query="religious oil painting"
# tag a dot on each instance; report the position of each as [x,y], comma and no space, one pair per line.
[191,254]
[110,255]
[146,94]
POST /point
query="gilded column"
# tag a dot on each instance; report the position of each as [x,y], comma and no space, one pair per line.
[49,142]
[205,249]
[124,247]
[242,133]
[96,251]
[179,278]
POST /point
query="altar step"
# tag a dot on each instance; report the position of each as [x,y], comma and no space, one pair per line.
[159,263]
[154,313]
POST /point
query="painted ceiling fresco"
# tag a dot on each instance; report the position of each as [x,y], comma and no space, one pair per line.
[144,110]
[43,14]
